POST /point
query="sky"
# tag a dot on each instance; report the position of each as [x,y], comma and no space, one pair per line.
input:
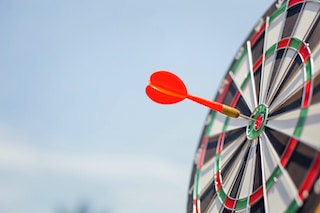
[76,128]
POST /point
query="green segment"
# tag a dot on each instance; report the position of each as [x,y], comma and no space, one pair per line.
[244,83]
[236,65]
[217,162]
[272,179]
[308,70]
[210,123]
[196,184]
[222,195]
[271,50]
[302,118]
[278,12]
[225,125]
[295,43]
[242,203]
[293,207]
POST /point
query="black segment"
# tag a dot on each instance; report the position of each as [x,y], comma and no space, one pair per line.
[313,37]
[234,193]
[258,207]
[300,163]
[312,202]
[230,94]
[211,148]
[230,136]
[292,16]
[278,140]
[243,107]
[279,57]
[257,79]
[232,161]
[208,195]
[257,180]
[294,102]
[291,103]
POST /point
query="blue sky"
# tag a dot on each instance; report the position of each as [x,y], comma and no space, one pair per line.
[75,124]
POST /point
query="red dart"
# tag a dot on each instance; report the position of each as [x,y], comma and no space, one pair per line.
[166,88]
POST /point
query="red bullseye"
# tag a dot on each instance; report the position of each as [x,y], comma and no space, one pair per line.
[258,122]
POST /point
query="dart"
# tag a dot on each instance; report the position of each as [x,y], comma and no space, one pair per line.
[167,88]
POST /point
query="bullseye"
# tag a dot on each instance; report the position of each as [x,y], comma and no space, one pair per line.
[258,121]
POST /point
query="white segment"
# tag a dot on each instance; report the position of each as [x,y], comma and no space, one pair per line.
[247,186]
[316,61]
[218,123]
[275,30]
[286,123]
[311,126]
[266,74]
[215,206]
[283,69]
[250,94]
[228,151]
[263,77]
[229,181]
[270,161]
[279,195]
[235,123]
[307,16]
[272,36]
[206,175]
[239,76]
[296,83]
[253,86]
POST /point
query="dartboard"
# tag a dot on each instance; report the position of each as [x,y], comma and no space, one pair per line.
[270,162]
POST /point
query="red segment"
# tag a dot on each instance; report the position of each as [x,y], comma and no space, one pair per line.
[288,152]
[195,203]
[230,203]
[218,182]
[203,152]
[310,178]
[283,43]
[220,144]
[256,36]
[307,93]
[304,53]
[256,196]
[235,99]
[294,2]
[257,64]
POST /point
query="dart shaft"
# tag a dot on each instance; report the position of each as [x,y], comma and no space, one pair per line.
[211,104]
[224,109]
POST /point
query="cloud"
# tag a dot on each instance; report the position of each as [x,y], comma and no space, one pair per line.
[99,167]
